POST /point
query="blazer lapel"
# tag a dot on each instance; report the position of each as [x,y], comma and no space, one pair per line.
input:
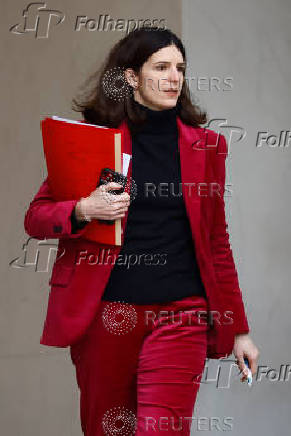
[192,159]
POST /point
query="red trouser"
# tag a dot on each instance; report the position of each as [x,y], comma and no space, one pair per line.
[139,367]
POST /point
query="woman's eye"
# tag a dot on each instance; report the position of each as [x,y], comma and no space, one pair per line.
[163,67]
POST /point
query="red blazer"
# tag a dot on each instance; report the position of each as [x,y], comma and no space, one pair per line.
[77,286]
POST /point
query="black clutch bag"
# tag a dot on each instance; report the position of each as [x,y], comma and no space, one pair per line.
[107,176]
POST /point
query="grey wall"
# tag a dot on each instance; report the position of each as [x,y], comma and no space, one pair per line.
[247,41]
[250,42]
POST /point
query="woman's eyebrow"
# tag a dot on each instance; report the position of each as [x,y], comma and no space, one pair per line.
[167,62]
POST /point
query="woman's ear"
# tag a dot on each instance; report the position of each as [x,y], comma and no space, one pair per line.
[131,77]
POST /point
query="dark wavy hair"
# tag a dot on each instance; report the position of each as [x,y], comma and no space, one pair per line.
[99,104]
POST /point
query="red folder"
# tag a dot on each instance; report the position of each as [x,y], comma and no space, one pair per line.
[75,154]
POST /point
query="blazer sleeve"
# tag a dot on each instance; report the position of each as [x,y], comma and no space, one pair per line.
[46,218]
[223,262]
[76,224]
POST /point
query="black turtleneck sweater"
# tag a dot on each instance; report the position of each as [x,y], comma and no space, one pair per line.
[157,261]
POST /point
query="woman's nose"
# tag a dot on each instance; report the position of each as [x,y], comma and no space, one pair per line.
[174,75]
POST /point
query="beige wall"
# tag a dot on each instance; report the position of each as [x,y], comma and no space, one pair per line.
[39,78]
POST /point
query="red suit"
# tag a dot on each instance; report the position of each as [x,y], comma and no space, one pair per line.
[77,285]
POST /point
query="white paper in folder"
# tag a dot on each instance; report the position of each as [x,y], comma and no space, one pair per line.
[125,163]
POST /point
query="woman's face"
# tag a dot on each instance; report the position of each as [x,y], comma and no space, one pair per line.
[159,83]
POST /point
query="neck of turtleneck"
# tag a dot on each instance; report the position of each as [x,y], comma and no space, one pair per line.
[158,121]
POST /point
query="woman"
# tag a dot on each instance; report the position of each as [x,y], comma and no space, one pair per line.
[139,333]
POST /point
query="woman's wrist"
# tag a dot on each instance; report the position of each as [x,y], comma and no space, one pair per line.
[80,210]
[241,335]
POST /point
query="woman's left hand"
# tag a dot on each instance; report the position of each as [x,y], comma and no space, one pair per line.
[244,347]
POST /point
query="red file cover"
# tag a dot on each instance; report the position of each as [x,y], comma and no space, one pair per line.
[75,154]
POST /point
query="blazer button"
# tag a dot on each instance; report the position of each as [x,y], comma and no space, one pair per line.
[58,229]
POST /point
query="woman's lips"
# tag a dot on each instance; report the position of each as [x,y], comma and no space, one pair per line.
[172,92]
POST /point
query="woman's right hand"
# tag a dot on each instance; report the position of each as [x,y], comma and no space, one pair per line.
[101,204]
